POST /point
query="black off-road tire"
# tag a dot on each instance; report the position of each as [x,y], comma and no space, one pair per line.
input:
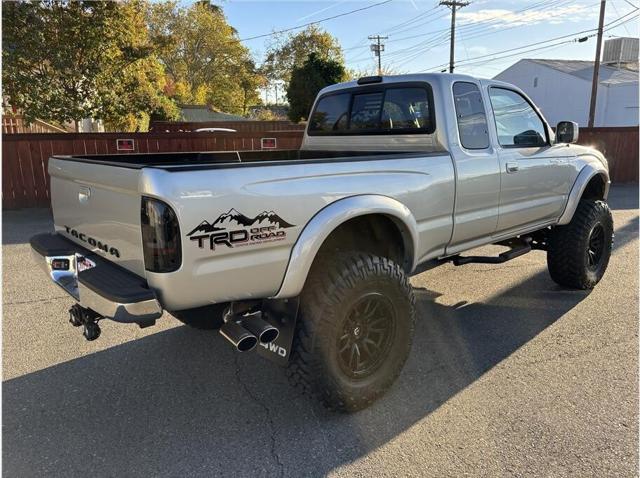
[341,289]
[572,258]
[208,317]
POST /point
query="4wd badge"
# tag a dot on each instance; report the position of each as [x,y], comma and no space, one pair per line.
[234,229]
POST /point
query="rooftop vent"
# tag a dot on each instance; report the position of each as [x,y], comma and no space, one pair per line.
[620,50]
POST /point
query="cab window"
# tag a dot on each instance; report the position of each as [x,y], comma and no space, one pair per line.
[518,124]
[472,120]
[392,109]
[331,113]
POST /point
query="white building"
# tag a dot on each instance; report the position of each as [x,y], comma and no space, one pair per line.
[562,88]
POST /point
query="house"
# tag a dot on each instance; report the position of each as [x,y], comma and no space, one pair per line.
[204,113]
[562,88]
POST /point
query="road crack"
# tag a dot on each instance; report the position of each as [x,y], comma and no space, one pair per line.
[267,410]
[47,299]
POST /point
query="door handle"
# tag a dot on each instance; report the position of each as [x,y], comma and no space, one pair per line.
[512,167]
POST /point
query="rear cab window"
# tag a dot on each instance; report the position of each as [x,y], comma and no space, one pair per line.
[395,108]
[470,115]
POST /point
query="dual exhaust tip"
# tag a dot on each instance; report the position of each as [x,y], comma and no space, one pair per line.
[245,333]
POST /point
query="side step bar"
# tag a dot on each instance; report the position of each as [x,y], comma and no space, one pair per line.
[519,247]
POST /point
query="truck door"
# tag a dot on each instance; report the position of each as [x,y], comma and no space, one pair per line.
[536,176]
[477,169]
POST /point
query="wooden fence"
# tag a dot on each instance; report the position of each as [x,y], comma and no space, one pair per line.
[25,157]
[25,182]
[620,146]
[239,126]
[12,124]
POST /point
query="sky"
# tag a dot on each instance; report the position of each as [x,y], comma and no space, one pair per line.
[418,30]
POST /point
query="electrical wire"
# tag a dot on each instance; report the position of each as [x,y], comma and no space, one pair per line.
[485,58]
[317,21]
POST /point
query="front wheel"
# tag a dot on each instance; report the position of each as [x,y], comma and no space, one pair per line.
[355,329]
[578,253]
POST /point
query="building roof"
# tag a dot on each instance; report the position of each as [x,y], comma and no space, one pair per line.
[202,113]
[609,75]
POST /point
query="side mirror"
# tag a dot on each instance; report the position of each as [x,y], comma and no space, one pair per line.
[567,132]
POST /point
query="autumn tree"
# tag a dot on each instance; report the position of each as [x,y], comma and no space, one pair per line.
[204,59]
[65,61]
[308,80]
[291,51]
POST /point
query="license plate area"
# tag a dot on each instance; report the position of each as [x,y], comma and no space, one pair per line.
[64,270]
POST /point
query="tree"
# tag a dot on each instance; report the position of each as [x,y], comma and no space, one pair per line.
[354,74]
[307,81]
[65,61]
[204,59]
[292,51]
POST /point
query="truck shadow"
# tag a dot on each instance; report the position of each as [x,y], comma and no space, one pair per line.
[182,403]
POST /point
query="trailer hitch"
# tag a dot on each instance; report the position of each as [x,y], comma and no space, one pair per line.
[88,319]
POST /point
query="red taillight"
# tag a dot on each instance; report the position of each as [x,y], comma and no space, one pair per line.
[160,236]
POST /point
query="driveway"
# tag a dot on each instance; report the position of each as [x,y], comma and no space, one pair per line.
[510,375]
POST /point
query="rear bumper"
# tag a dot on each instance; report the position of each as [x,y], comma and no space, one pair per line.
[107,289]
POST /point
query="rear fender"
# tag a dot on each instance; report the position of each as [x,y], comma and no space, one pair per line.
[328,219]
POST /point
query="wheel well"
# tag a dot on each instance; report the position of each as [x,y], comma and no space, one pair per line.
[595,188]
[373,233]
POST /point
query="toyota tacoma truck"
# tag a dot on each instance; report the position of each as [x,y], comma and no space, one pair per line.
[305,255]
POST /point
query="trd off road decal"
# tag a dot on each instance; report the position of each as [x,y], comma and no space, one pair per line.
[234,229]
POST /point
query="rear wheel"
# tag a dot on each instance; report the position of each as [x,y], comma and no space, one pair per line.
[578,253]
[208,317]
[354,331]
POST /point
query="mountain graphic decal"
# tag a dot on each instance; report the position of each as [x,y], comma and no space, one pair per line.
[234,219]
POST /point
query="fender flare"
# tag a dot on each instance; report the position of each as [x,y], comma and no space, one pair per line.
[328,219]
[580,184]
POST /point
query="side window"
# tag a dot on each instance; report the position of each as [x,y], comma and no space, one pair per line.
[472,120]
[517,122]
[331,113]
[406,108]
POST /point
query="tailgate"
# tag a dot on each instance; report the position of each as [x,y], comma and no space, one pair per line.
[98,207]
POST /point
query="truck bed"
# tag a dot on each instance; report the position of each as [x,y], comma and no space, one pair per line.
[213,159]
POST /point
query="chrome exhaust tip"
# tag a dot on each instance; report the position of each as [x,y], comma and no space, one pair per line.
[242,339]
[262,329]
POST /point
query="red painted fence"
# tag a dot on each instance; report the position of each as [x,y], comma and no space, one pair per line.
[25,182]
[240,126]
[25,157]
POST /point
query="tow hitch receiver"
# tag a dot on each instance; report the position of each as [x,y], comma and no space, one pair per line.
[88,319]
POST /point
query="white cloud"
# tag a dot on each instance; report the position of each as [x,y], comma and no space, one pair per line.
[501,17]
[477,50]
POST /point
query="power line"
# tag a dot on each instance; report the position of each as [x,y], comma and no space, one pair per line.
[453,5]
[484,58]
[378,48]
[596,66]
[476,28]
[317,21]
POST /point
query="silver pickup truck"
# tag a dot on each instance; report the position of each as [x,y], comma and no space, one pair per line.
[305,255]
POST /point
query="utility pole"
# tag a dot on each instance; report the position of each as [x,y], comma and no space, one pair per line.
[378,48]
[454,5]
[596,67]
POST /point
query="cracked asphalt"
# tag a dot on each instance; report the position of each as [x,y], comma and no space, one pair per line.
[510,375]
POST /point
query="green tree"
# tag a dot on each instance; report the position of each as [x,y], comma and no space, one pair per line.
[204,59]
[292,51]
[65,61]
[308,80]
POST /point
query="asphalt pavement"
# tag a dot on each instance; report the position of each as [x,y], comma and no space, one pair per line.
[510,375]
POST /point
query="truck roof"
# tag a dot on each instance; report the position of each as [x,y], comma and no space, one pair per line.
[440,78]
